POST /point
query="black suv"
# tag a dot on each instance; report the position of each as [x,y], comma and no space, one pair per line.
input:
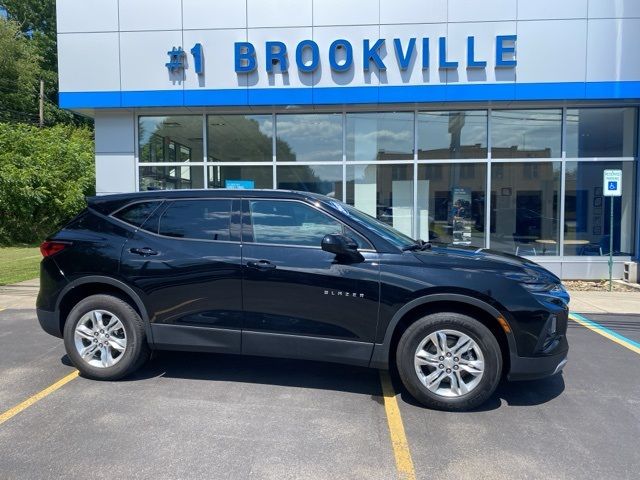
[298,275]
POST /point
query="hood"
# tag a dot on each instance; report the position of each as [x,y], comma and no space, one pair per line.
[456,256]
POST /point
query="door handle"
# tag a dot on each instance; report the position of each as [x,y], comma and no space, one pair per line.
[144,251]
[262,265]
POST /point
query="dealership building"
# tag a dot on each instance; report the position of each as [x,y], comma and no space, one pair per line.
[488,123]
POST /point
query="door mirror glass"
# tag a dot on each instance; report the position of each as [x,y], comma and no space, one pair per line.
[339,245]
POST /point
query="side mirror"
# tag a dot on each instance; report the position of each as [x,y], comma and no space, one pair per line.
[339,245]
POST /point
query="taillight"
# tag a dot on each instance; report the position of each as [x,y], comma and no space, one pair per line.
[51,248]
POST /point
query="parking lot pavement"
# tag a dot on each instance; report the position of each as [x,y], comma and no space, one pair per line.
[29,358]
[196,416]
[582,424]
[214,416]
[625,324]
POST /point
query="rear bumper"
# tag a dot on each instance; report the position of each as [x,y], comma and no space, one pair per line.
[532,368]
[49,321]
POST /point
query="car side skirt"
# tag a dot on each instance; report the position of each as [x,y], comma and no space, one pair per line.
[306,348]
[195,339]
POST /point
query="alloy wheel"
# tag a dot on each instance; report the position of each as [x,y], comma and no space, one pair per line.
[449,363]
[100,338]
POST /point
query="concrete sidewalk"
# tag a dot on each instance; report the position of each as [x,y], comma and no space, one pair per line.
[605,302]
[23,295]
[19,295]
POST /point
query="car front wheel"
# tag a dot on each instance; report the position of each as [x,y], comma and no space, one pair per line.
[449,361]
[105,338]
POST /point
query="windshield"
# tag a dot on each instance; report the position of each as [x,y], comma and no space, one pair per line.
[390,234]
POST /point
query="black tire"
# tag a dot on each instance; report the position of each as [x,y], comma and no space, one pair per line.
[486,341]
[136,352]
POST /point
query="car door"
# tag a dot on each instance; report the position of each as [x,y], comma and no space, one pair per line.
[186,259]
[298,300]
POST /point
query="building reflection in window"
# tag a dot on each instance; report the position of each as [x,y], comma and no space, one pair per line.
[526,133]
[456,134]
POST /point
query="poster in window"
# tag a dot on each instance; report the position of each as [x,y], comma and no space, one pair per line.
[460,216]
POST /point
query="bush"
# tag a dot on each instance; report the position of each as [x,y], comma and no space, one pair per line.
[45,174]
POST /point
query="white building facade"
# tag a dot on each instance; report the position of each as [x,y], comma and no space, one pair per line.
[476,122]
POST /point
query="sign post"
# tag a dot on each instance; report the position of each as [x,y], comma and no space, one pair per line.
[612,187]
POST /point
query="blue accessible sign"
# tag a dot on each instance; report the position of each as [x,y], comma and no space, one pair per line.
[612,183]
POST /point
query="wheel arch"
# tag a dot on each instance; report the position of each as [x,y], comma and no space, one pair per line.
[466,305]
[83,287]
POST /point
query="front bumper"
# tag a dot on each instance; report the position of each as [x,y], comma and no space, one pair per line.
[532,368]
[49,321]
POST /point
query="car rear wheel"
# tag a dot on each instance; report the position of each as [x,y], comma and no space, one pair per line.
[105,338]
[449,361]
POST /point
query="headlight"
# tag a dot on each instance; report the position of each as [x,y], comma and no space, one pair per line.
[553,291]
[539,284]
[529,280]
[539,287]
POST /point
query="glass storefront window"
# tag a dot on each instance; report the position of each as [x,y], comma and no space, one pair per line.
[384,192]
[457,134]
[587,211]
[526,133]
[232,176]
[525,207]
[171,177]
[380,136]
[309,137]
[601,132]
[175,138]
[451,203]
[239,138]
[323,179]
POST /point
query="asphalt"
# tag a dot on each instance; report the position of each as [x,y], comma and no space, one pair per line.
[214,416]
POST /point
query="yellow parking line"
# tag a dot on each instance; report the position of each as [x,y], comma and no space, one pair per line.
[12,412]
[605,332]
[404,464]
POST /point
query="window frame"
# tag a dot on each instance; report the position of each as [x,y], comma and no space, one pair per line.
[247,224]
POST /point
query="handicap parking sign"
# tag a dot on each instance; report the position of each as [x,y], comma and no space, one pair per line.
[612,183]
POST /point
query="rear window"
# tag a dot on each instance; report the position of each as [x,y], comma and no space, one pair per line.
[136,213]
[197,220]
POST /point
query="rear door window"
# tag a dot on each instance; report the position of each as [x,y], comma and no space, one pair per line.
[197,220]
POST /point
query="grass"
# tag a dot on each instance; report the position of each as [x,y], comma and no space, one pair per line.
[18,264]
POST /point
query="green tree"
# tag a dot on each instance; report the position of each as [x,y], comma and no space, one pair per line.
[19,75]
[45,174]
[36,19]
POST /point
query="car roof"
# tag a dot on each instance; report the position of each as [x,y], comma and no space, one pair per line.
[109,203]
